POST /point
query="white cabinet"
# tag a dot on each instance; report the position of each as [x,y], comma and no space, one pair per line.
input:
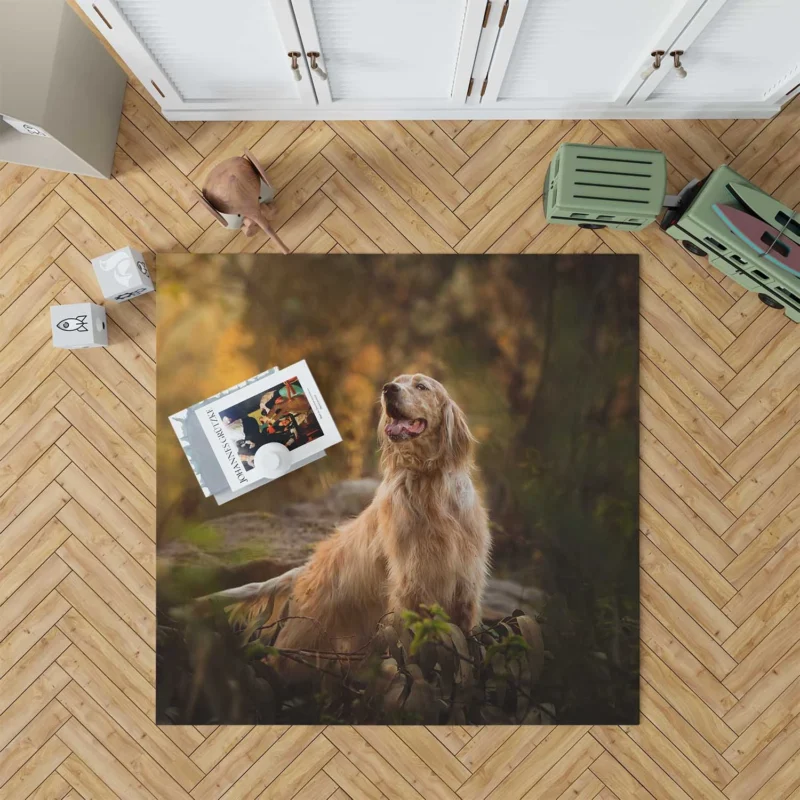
[735,51]
[568,52]
[407,53]
[204,54]
[361,59]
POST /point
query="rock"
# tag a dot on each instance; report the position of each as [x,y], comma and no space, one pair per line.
[346,499]
[502,596]
[253,545]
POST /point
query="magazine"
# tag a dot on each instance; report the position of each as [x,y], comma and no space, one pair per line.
[283,407]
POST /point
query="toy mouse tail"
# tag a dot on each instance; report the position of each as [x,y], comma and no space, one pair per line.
[270,231]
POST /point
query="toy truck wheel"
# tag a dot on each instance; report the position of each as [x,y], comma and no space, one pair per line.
[592,226]
[694,249]
[769,301]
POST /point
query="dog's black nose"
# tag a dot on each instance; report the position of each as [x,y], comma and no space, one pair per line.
[390,389]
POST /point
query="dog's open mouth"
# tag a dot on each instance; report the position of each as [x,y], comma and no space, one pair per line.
[399,429]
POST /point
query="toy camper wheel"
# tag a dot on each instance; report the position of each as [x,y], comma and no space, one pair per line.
[694,249]
[592,226]
[769,301]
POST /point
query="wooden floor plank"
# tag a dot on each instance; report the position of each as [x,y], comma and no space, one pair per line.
[763,401]
[681,554]
[686,740]
[643,768]
[110,480]
[704,142]
[299,153]
[389,193]
[673,581]
[692,635]
[779,424]
[30,267]
[155,164]
[109,443]
[118,741]
[768,568]
[37,697]
[152,197]
[684,448]
[431,136]
[503,761]
[26,527]
[98,759]
[767,508]
[225,774]
[426,168]
[691,707]
[110,625]
[32,192]
[682,410]
[31,630]
[351,780]
[498,183]
[12,176]
[30,230]
[108,515]
[209,135]
[159,131]
[131,716]
[475,133]
[494,152]
[782,602]
[84,782]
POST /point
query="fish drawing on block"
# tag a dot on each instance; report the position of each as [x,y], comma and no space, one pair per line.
[77,324]
[763,238]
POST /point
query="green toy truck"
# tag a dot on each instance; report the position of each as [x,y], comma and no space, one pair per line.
[696,225]
[597,187]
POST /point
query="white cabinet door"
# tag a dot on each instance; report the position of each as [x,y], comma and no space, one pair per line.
[206,53]
[579,53]
[390,53]
[746,51]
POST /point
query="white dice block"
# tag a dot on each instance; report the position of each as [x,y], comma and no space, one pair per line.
[122,274]
[78,325]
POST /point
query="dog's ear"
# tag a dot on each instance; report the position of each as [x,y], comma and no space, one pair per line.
[457,439]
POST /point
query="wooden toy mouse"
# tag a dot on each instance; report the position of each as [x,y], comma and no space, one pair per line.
[234,192]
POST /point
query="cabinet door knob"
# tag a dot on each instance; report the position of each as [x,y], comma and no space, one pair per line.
[296,74]
[315,68]
[676,57]
[657,56]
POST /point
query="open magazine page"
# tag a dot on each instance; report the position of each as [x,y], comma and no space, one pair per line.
[285,407]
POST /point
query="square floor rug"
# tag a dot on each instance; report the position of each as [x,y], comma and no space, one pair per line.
[427,515]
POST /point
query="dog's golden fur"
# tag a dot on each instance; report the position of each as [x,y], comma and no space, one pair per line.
[424,538]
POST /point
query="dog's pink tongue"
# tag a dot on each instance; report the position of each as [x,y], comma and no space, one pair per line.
[399,426]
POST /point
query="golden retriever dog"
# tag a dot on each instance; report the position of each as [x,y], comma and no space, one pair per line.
[424,539]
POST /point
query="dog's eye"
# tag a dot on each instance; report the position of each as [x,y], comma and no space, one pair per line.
[422,386]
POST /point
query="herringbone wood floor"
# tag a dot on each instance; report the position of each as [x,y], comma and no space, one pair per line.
[720,472]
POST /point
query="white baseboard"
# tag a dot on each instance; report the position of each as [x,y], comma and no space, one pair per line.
[650,111]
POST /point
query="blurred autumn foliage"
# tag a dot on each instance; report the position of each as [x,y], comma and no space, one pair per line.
[542,354]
